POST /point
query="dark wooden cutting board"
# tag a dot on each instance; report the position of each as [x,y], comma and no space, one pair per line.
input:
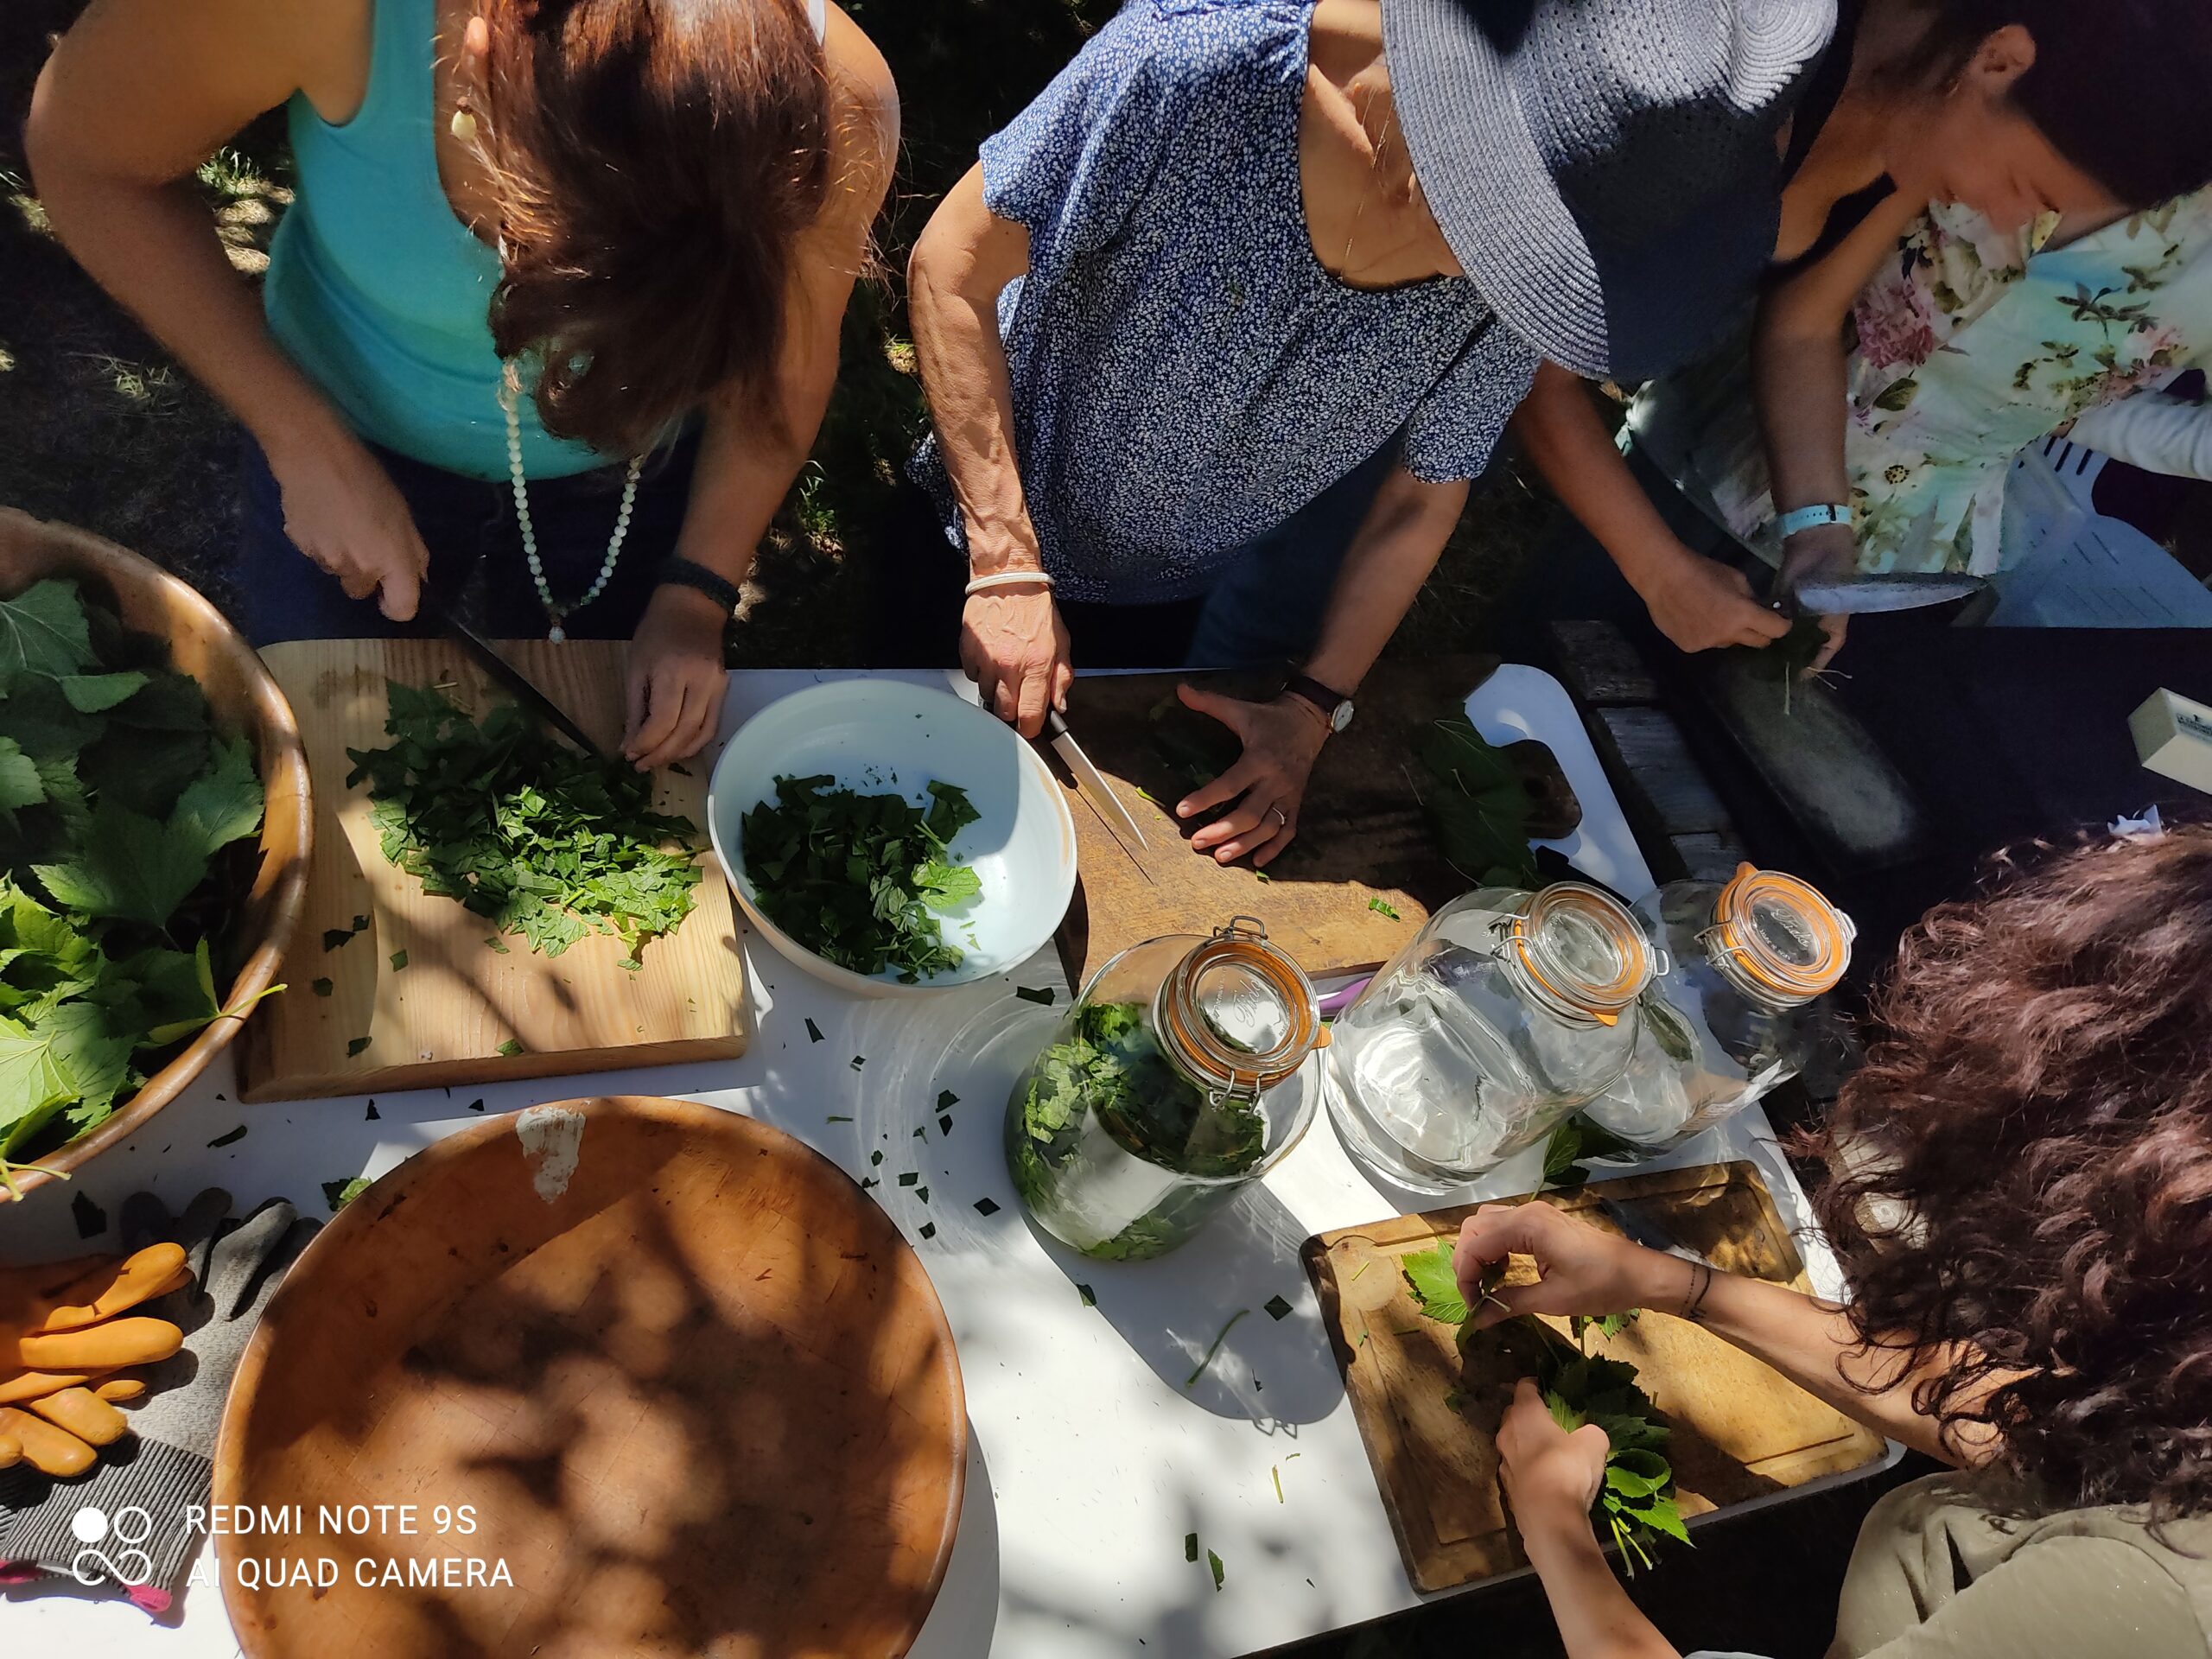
[1739,1428]
[1364,849]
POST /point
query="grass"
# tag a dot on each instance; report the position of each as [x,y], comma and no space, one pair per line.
[99,428]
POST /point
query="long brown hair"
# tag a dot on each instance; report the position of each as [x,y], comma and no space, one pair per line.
[656,161]
[2022,1173]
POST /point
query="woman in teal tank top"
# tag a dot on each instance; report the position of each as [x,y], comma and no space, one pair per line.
[554,314]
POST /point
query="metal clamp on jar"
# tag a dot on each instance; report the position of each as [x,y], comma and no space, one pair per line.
[1501,1017]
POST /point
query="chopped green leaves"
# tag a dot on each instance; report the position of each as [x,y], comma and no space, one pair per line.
[1089,1296]
[1190,1546]
[229,1136]
[857,879]
[339,1194]
[398,960]
[321,987]
[813,1032]
[986,1206]
[1383,906]
[355,1047]
[542,840]
[1277,1308]
[1214,1562]
[334,936]
[1045,996]
[1222,1336]
[512,1047]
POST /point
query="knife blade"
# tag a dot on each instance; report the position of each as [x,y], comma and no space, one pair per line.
[1642,1230]
[510,678]
[1869,595]
[1088,778]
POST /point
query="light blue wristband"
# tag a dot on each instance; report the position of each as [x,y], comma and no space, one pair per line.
[1799,518]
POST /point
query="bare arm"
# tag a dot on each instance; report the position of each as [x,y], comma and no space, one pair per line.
[1801,380]
[1697,602]
[1013,642]
[1395,547]
[1583,1270]
[137,95]
[747,464]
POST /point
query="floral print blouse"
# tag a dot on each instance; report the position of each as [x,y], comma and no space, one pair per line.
[1971,346]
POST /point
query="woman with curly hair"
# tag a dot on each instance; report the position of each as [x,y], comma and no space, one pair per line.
[2021,1200]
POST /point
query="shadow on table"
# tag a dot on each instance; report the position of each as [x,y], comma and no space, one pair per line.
[961,1624]
[1200,1318]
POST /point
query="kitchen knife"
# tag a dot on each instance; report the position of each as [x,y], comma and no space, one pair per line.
[1642,1230]
[1866,595]
[1088,777]
[534,701]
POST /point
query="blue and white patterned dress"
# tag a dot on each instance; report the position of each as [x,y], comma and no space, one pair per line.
[1187,374]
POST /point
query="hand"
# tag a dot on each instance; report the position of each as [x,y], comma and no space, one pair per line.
[1281,740]
[1580,1269]
[1828,550]
[1701,604]
[343,512]
[1551,1477]
[1015,647]
[676,677]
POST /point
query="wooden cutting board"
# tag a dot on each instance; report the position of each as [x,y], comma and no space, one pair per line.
[1364,849]
[1740,1428]
[443,1018]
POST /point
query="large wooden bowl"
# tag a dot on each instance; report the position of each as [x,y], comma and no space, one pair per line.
[687,1384]
[243,698]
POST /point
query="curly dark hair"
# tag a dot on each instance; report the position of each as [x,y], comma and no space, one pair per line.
[2021,1176]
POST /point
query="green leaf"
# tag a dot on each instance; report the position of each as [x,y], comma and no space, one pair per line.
[357,1044]
[1383,907]
[44,630]
[21,783]
[942,886]
[1213,1562]
[1435,1285]
[95,693]
[130,869]
[223,805]
[339,1194]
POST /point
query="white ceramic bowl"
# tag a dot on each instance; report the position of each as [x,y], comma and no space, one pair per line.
[874,735]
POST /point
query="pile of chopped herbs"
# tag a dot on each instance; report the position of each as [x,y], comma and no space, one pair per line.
[1110,1071]
[1635,1506]
[127,840]
[538,838]
[856,879]
[1478,808]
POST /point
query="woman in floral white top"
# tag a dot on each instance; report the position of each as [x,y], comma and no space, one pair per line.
[1970,346]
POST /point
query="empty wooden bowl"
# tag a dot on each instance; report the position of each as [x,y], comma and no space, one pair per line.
[663,1373]
[243,699]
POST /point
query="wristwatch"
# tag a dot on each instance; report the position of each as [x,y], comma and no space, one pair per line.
[1335,706]
[687,573]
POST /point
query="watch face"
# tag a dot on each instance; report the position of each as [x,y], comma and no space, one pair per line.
[1341,717]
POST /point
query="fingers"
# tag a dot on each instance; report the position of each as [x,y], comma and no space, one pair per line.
[1247,829]
[1062,683]
[1835,627]
[1231,784]
[1757,626]
[1229,711]
[1286,832]
[664,713]
[400,594]
[1035,694]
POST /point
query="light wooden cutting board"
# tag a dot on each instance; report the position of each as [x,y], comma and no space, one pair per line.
[1739,1429]
[444,1018]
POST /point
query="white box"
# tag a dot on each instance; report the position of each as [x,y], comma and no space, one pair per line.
[2173,737]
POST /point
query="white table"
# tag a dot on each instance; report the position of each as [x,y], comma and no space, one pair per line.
[1090,1458]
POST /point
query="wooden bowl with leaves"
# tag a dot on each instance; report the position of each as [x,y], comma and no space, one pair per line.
[56,691]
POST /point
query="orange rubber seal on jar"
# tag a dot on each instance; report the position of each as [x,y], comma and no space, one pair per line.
[1782,933]
[1532,938]
[1209,1052]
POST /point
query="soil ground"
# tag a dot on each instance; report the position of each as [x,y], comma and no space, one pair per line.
[99,428]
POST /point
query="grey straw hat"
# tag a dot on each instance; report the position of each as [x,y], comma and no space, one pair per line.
[1608,172]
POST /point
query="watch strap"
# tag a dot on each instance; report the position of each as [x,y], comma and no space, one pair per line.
[1812,517]
[688,573]
[1312,691]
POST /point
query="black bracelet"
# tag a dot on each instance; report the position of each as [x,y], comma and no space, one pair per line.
[686,573]
[1701,1275]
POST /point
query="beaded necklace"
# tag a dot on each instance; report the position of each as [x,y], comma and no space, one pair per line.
[556,614]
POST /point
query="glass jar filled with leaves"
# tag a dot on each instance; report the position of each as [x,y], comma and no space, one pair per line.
[1502,1016]
[1179,1076]
[1741,1012]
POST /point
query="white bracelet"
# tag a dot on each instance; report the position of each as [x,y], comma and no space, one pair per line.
[1007,579]
[1819,514]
